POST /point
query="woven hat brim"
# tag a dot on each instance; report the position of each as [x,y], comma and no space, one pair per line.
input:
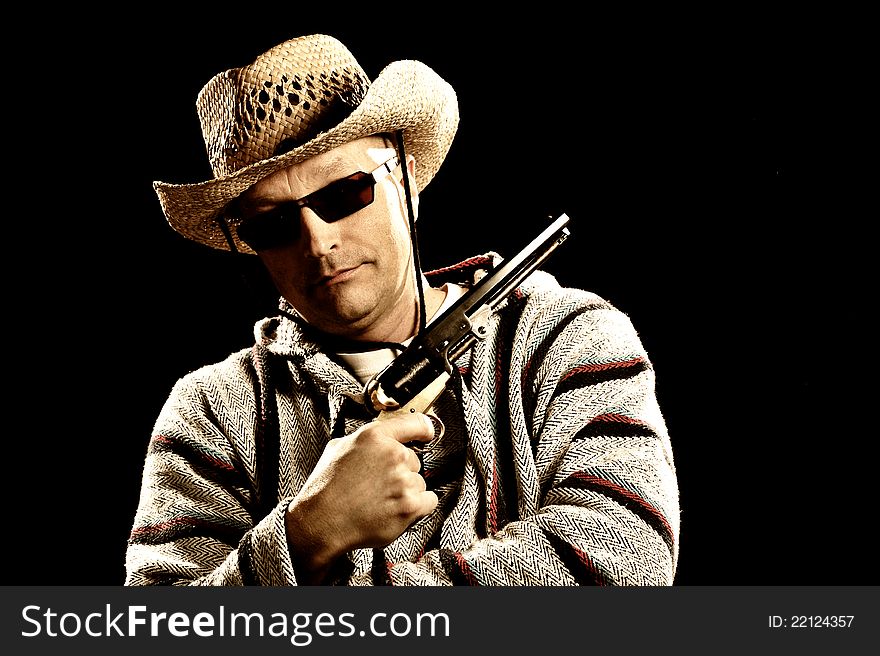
[406,95]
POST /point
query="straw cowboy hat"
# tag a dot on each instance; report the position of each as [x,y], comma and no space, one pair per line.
[297,100]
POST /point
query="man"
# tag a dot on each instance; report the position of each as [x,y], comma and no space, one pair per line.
[554,466]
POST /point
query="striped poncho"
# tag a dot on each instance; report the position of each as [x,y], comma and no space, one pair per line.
[555,468]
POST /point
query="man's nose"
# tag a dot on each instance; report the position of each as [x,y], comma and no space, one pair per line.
[318,236]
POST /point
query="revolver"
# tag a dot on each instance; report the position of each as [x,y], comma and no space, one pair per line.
[416,378]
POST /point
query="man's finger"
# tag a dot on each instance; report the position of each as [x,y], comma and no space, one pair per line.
[415,427]
[415,463]
[430,501]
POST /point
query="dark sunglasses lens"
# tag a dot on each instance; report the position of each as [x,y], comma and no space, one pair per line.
[344,197]
[278,227]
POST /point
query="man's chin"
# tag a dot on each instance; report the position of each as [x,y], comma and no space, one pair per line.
[347,323]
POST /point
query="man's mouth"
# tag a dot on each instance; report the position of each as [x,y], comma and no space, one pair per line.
[337,276]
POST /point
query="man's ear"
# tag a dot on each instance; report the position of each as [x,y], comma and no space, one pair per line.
[411,172]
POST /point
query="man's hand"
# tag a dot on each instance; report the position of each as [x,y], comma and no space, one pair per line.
[364,492]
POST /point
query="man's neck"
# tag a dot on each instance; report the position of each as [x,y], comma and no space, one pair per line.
[363,364]
[399,331]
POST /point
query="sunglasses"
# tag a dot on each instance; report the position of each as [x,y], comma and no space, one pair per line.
[280,226]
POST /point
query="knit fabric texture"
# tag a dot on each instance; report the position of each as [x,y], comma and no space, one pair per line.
[555,469]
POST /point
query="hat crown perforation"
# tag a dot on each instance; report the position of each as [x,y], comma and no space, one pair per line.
[252,113]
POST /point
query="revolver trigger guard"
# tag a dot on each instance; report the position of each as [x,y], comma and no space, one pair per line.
[439,431]
[439,426]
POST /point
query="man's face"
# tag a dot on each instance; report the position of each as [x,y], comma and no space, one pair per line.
[352,277]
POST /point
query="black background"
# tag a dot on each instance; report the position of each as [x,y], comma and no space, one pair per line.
[712,167]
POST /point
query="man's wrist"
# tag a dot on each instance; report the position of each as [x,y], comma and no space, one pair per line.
[311,554]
